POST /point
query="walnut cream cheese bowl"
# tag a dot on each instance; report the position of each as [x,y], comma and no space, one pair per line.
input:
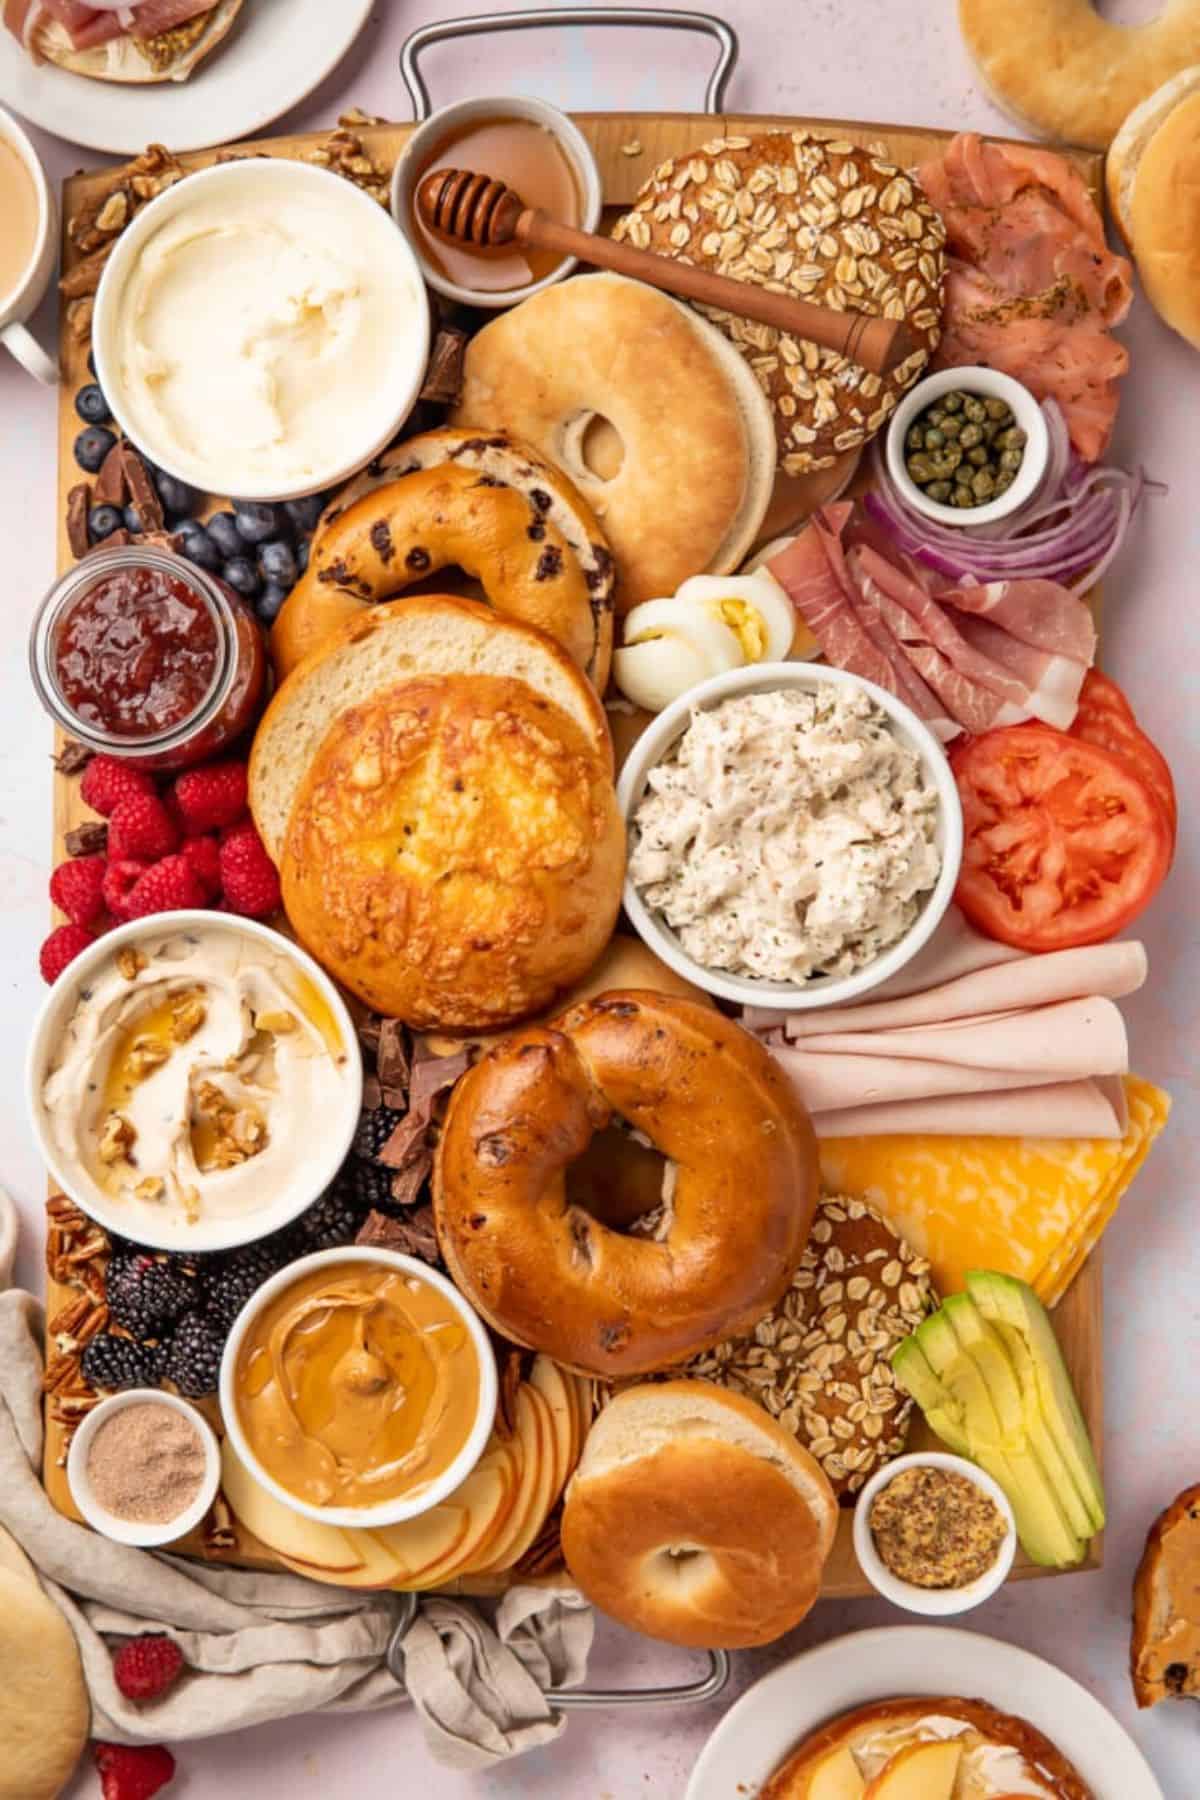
[358,1387]
[194,1081]
[785,855]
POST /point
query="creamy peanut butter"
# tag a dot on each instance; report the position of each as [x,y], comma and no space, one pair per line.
[357,1384]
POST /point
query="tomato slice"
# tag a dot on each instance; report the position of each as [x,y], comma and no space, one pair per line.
[1106,718]
[1101,693]
[1063,842]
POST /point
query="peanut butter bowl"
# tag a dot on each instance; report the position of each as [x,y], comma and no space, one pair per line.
[358,1387]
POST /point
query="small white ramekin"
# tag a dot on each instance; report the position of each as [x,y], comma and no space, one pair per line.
[263,176]
[129,1531]
[935,1603]
[820,990]
[388,1512]
[330,1137]
[428,138]
[992,385]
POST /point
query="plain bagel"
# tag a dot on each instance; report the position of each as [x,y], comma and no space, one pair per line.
[737,1201]
[695,1518]
[1153,177]
[485,503]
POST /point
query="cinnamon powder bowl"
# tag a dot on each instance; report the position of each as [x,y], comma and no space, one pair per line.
[127,1468]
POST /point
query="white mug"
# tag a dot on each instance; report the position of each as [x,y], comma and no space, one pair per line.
[30,289]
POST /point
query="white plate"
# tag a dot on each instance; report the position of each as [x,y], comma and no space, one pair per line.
[277,52]
[755,1736]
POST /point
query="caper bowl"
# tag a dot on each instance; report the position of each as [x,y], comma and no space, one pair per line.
[967,446]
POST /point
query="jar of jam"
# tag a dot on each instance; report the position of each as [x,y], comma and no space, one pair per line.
[140,654]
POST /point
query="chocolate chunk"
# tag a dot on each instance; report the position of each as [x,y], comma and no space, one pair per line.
[407,1143]
[418,560]
[88,839]
[444,374]
[414,1235]
[408,1185]
[112,489]
[372,1093]
[142,490]
[116,540]
[432,1075]
[393,1058]
[549,564]
[73,758]
[79,503]
[381,539]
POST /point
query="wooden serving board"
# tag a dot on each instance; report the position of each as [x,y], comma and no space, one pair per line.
[628,146]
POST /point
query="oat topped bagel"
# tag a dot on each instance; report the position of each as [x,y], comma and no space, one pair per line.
[820,218]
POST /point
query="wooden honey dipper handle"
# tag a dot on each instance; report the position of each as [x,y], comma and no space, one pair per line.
[477,211]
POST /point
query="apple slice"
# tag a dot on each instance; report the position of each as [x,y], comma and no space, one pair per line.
[487,1494]
[533,1439]
[320,1549]
[377,1570]
[417,1544]
[837,1778]
[549,1381]
[919,1772]
[544,1493]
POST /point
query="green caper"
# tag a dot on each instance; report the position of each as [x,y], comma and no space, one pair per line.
[996,409]
[939,491]
[969,436]
[983,484]
[921,469]
[1003,480]
[975,410]
[934,416]
[951,426]
[963,473]
[952,402]
[934,439]
[1012,439]
[952,456]
[978,456]
[962,496]
[915,439]
[1011,460]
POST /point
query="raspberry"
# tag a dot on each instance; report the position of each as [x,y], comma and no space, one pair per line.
[61,947]
[204,856]
[107,780]
[167,886]
[147,1666]
[77,887]
[211,796]
[141,827]
[120,878]
[248,877]
[133,1771]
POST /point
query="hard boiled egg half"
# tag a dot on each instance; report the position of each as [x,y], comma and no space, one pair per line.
[714,623]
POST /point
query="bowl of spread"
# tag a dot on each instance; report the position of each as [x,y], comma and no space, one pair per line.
[194,1081]
[144,1467]
[138,653]
[935,1534]
[261,329]
[358,1386]
[795,835]
[532,148]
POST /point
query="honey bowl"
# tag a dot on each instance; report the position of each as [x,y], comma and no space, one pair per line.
[358,1387]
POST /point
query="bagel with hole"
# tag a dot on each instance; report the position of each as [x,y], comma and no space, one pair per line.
[693,1517]
[688,463]
[734,1203]
[1059,68]
[1153,179]
[485,503]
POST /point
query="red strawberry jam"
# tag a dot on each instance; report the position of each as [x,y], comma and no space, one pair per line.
[136,653]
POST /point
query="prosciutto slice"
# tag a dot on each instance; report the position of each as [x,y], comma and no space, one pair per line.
[89,26]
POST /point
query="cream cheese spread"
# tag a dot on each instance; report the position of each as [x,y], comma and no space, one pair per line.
[263,336]
[787,834]
[987,1769]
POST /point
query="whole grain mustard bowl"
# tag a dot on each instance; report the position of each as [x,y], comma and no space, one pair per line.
[946,1600]
[358,1387]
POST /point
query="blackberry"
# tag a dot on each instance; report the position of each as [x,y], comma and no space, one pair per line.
[229,1285]
[375,1127]
[145,1293]
[332,1222]
[193,1359]
[112,1362]
[367,1185]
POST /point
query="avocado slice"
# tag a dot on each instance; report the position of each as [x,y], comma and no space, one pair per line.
[1014,1396]
[1042,1525]
[1022,1320]
[942,1412]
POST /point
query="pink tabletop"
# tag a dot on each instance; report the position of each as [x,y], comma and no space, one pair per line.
[872,59]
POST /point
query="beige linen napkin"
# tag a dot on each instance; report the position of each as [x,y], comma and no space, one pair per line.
[263,1646]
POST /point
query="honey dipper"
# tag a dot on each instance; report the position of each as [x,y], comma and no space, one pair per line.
[482,213]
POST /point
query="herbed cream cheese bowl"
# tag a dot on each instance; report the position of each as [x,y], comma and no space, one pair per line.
[933,1603]
[290,351]
[315,1149]
[394,1511]
[655,745]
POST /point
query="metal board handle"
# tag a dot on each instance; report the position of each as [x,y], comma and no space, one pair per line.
[479,24]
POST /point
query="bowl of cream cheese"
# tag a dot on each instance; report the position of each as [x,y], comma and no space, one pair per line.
[261,329]
[795,835]
[194,1081]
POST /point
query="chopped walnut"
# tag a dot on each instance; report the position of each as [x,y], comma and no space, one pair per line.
[130,962]
[151,1188]
[79,318]
[146,1055]
[117,1138]
[114,214]
[239,1132]
[191,1204]
[187,1016]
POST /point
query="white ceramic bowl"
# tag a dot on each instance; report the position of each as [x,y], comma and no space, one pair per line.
[992,385]
[820,990]
[376,425]
[934,1603]
[389,1512]
[428,138]
[127,1531]
[331,1137]
[26,295]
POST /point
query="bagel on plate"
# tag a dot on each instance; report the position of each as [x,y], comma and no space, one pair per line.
[1061,69]
[485,503]
[1153,177]
[435,785]
[689,456]
[927,1748]
[693,1517]
[734,1202]
[128,58]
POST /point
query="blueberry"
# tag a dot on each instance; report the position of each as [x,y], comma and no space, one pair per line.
[302,550]
[222,529]
[176,496]
[277,563]
[92,446]
[133,520]
[241,575]
[305,513]
[193,541]
[269,601]
[256,520]
[91,405]
[102,520]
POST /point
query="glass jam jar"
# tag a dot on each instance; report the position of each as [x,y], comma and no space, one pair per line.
[144,656]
